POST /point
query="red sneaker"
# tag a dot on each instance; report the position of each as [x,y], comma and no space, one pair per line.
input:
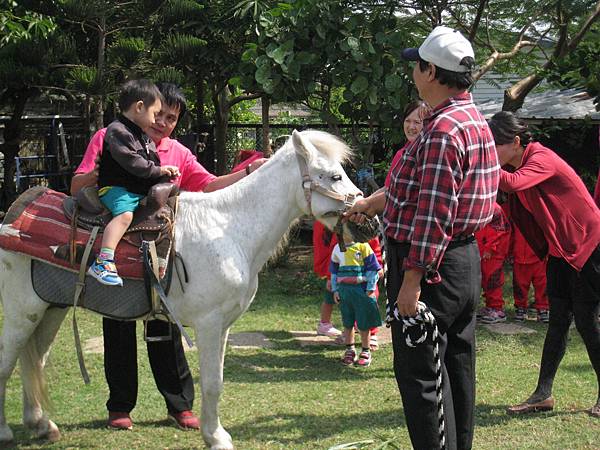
[119,420]
[186,420]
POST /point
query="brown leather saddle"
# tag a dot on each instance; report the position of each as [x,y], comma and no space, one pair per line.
[153,220]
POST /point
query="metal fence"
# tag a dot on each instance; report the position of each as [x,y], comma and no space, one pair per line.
[53,148]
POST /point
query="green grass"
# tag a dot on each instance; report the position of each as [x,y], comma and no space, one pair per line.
[293,397]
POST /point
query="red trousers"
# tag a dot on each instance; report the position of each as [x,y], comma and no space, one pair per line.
[492,281]
[523,276]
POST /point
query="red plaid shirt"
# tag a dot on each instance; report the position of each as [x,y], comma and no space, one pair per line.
[445,184]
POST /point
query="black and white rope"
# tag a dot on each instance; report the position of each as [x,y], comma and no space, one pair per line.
[426,326]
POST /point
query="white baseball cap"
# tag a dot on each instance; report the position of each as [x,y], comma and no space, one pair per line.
[444,47]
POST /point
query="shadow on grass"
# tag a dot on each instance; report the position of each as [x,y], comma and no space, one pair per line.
[310,427]
[288,361]
[492,415]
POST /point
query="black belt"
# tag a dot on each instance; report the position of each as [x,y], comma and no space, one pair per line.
[456,240]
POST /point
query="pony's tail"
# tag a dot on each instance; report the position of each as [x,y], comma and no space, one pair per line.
[35,388]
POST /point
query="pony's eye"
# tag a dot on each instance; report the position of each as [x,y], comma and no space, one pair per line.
[336,178]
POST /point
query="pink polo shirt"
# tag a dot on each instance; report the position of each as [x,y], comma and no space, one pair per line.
[193,176]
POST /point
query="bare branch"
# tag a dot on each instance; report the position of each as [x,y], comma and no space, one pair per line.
[593,17]
[497,56]
[242,98]
[475,26]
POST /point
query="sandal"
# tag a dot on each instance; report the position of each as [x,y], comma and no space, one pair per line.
[349,357]
[364,359]
[373,342]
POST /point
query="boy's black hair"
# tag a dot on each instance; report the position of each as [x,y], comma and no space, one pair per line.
[505,126]
[459,80]
[135,90]
[173,96]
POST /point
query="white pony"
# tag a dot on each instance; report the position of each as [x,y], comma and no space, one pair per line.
[228,235]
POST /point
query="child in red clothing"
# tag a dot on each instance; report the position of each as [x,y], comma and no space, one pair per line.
[323,244]
[493,241]
[528,269]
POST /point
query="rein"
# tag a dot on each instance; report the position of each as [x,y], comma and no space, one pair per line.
[416,330]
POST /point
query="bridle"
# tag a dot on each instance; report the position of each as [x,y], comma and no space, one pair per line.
[309,185]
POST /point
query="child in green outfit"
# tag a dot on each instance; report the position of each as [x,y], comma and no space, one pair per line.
[354,275]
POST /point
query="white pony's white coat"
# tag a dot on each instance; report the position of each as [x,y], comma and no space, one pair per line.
[224,238]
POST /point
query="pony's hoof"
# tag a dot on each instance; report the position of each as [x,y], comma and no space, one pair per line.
[53,432]
[219,440]
[6,436]
[48,431]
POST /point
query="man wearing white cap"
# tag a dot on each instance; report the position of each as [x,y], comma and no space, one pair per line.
[442,190]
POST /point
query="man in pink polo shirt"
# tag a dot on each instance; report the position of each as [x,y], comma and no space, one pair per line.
[167,359]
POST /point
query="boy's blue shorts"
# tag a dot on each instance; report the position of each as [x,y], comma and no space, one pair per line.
[119,200]
[357,306]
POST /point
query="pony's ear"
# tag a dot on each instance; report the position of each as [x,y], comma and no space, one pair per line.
[303,146]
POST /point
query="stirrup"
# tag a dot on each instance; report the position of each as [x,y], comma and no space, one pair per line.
[163,338]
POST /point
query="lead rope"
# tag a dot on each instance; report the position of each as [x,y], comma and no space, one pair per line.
[426,324]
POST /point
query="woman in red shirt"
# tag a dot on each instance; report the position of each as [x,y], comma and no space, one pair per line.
[412,124]
[553,209]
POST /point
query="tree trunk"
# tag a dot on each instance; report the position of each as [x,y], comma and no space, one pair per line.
[515,95]
[221,104]
[200,118]
[10,150]
[266,141]
[98,104]
[87,115]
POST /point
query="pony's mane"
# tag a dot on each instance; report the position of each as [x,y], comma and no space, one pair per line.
[326,143]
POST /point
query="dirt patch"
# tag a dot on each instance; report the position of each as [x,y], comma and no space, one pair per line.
[311,338]
[236,340]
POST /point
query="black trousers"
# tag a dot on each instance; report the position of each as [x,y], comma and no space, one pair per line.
[452,302]
[573,295]
[167,360]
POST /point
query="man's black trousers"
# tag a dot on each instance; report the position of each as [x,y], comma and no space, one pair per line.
[452,302]
[167,359]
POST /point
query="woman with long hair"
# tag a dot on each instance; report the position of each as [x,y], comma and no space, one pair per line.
[553,209]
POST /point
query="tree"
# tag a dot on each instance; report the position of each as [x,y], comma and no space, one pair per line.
[341,59]
[581,68]
[525,38]
[206,47]
[30,46]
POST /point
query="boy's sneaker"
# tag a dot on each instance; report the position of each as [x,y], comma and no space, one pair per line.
[327,329]
[483,312]
[364,359]
[543,315]
[494,316]
[520,314]
[349,357]
[105,272]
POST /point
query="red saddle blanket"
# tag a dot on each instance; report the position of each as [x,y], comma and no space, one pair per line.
[36,225]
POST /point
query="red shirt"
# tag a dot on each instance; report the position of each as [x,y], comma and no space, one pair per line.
[250,157]
[324,242]
[193,176]
[445,185]
[395,160]
[553,209]
[494,238]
